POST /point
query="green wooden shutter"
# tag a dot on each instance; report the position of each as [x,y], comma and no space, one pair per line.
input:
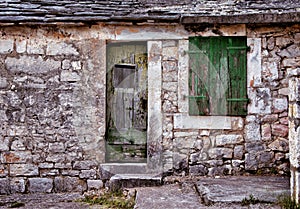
[237,62]
[198,76]
[217,76]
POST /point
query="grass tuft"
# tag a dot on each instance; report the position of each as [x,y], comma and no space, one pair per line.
[286,202]
[251,201]
[116,199]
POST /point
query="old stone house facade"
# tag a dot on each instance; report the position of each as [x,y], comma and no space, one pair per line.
[89,89]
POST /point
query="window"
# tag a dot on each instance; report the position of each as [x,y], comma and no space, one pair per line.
[217,76]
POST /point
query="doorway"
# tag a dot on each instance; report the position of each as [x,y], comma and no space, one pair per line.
[127,102]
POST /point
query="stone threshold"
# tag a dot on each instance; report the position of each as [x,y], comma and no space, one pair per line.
[128,175]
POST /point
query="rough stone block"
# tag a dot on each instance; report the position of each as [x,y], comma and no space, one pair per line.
[3,83]
[254,147]
[170,53]
[170,76]
[198,170]
[290,52]
[56,147]
[94,184]
[270,71]
[183,143]
[6,46]
[280,144]
[283,91]
[280,130]
[40,185]
[35,46]
[291,62]
[266,133]
[66,64]
[76,65]
[56,158]
[251,162]
[18,144]
[265,158]
[31,65]
[85,165]
[21,46]
[23,170]
[228,139]
[280,105]
[170,86]
[4,143]
[46,165]
[61,48]
[70,173]
[252,132]
[254,62]
[69,76]
[69,184]
[4,186]
[238,152]
[16,157]
[180,161]
[219,153]
[294,89]
[49,172]
[88,174]
[17,185]
[260,101]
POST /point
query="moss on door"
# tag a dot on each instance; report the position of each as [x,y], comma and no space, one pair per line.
[126,132]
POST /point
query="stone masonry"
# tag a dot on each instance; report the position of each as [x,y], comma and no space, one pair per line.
[50,99]
[53,103]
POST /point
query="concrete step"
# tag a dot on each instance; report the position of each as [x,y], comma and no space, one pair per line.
[120,181]
[125,168]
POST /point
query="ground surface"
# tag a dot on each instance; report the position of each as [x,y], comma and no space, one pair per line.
[189,194]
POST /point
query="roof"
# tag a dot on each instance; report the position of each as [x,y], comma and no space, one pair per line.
[182,11]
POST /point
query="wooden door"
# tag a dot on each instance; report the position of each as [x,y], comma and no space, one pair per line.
[127,104]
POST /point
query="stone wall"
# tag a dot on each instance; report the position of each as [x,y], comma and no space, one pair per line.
[52,106]
[257,143]
[52,111]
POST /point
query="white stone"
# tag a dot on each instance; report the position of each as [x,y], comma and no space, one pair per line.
[252,132]
[6,46]
[294,87]
[94,184]
[76,65]
[183,91]
[217,153]
[284,91]
[40,185]
[228,139]
[170,86]
[270,70]
[61,48]
[280,105]
[32,65]
[21,46]
[23,170]
[260,101]
[154,100]
[35,47]
[17,185]
[183,121]
[254,63]
[4,144]
[66,64]
[185,134]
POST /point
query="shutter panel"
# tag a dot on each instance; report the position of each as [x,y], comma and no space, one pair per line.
[198,76]
[217,76]
[237,91]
